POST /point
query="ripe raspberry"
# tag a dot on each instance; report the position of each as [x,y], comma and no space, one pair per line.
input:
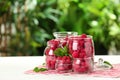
[47,51]
[59,58]
[53,43]
[53,64]
[82,55]
[75,55]
[83,36]
[64,57]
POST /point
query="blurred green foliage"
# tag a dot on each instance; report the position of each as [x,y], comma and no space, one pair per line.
[36,20]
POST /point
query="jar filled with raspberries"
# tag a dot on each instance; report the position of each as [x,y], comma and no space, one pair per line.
[60,41]
[52,45]
[82,50]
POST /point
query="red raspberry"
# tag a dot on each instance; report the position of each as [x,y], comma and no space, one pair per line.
[59,58]
[68,60]
[82,54]
[64,44]
[81,43]
[70,42]
[83,63]
[64,58]
[75,55]
[53,43]
[70,66]
[53,64]
[68,57]
[47,51]
[83,36]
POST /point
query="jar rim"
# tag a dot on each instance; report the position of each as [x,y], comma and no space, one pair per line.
[78,37]
[69,32]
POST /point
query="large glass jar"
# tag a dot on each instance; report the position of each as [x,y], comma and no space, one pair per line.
[82,50]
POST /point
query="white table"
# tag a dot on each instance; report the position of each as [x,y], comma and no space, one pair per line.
[12,68]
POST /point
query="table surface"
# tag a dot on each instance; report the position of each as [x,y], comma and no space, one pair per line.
[13,68]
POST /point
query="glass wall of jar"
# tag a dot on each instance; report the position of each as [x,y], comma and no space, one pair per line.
[82,50]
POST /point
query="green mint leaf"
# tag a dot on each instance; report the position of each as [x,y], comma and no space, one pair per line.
[36,69]
[59,52]
[43,69]
[108,63]
[65,49]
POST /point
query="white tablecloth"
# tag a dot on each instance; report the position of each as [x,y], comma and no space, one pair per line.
[13,68]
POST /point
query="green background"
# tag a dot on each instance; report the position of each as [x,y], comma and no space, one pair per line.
[36,20]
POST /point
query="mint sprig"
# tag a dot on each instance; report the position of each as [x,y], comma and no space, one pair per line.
[37,69]
[61,51]
[108,63]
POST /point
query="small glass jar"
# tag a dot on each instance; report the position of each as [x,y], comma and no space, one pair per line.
[83,65]
[63,66]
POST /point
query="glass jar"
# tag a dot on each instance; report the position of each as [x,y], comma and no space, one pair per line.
[82,50]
